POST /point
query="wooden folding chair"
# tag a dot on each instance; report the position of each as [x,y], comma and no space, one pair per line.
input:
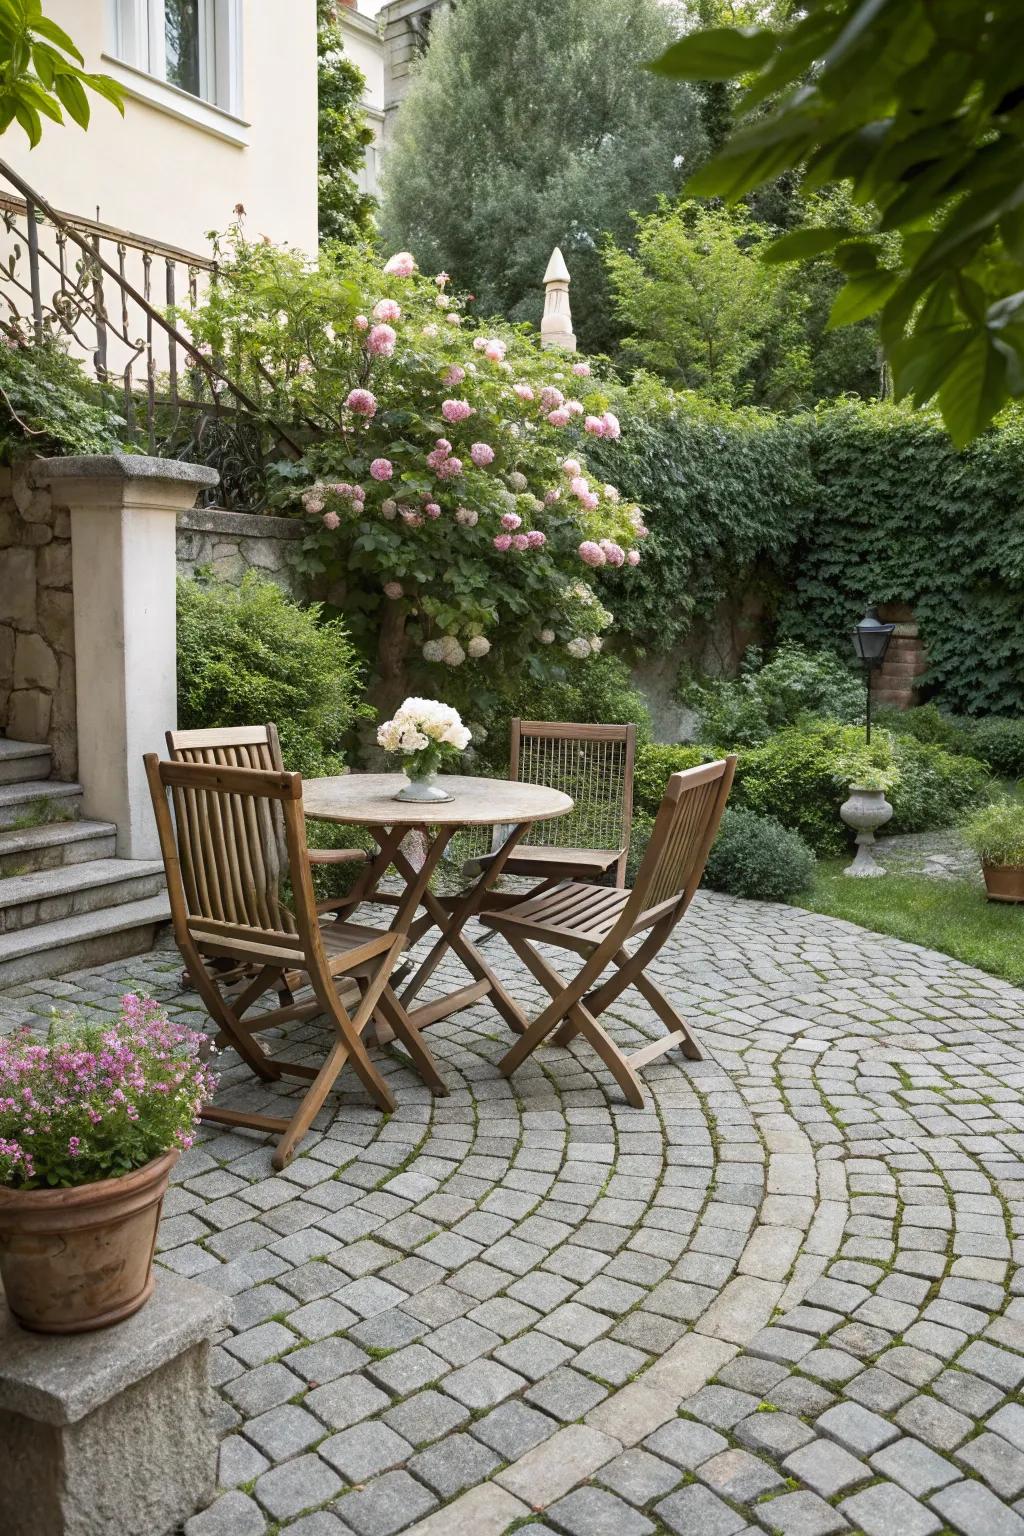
[593,764]
[597,921]
[226,905]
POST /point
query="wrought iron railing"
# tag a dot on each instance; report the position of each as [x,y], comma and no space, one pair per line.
[112,297]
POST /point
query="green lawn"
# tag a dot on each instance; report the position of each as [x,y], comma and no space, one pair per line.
[947,915]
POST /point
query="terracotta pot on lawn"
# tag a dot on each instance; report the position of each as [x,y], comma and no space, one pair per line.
[1004,882]
[72,1260]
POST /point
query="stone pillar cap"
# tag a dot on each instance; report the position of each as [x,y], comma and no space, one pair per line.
[121,466]
[557,271]
[58,1379]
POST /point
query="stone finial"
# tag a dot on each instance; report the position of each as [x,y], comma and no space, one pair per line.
[556,325]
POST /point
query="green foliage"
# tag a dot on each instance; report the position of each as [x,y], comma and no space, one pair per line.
[343,135]
[999,743]
[996,832]
[918,105]
[766,696]
[40,74]
[898,515]
[724,491]
[655,765]
[928,723]
[801,776]
[248,655]
[52,407]
[948,915]
[529,126]
[410,536]
[757,857]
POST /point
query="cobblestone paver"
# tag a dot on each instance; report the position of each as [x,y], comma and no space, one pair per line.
[783,1298]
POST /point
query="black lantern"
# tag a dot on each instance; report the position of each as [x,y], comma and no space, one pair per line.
[871,641]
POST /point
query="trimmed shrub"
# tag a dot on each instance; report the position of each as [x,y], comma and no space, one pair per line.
[757,857]
[996,832]
[795,684]
[655,764]
[999,742]
[929,724]
[249,654]
[796,778]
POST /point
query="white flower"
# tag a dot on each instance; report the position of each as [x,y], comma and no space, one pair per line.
[580,647]
[432,650]
[596,643]
[478,646]
[547,637]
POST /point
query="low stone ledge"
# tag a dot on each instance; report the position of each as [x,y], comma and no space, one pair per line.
[247,525]
[113,1430]
[121,466]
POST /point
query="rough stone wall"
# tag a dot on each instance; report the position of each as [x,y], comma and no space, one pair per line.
[231,543]
[37,633]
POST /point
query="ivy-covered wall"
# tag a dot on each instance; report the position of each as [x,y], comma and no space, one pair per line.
[815,516]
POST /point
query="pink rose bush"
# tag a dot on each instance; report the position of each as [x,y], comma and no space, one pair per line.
[94,1101]
[449,460]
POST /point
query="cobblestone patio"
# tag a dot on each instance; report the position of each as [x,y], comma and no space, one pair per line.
[785,1298]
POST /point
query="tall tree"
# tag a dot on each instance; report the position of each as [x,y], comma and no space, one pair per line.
[920,105]
[529,126]
[343,135]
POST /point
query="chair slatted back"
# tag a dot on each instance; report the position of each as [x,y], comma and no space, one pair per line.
[243,746]
[591,763]
[221,885]
[684,830]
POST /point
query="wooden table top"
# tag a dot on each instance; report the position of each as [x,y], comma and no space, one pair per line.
[368,799]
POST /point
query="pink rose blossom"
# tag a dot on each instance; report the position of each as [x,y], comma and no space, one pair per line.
[494,351]
[613,553]
[358,494]
[572,466]
[579,485]
[331,520]
[441,279]
[393,589]
[361,323]
[633,557]
[591,553]
[387,309]
[559,418]
[611,493]
[524,391]
[582,370]
[482,454]
[479,342]
[502,542]
[612,428]
[411,518]
[313,504]
[453,318]
[382,469]
[536,539]
[511,521]
[574,407]
[362,402]
[551,398]
[550,497]
[521,541]
[430,330]
[456,410]
[467,517]
[432,509]
[595,426]
[590,501]
[454,375]
[401,264]
[641,530]
[450,469]
[436,458]
[381,341]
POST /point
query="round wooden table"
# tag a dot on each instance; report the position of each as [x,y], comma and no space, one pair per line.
[368,800]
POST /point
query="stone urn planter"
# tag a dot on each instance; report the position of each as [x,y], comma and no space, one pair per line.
[865,811]
[73,1260]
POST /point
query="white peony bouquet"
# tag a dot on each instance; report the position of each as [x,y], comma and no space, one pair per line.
[424,731]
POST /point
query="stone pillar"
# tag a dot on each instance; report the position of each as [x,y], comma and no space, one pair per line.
[111,1431]
[123,516]
[556,324]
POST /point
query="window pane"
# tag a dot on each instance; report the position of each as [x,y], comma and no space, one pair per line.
[183,43]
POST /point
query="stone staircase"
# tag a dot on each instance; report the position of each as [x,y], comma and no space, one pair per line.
[66,900]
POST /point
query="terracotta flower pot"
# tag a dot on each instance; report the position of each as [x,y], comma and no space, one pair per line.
[72,1260]
[1004,882]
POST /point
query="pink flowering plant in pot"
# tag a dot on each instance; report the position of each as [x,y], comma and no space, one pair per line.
[91,1122]
[450,510]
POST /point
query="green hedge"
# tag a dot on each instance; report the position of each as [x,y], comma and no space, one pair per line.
[758,858]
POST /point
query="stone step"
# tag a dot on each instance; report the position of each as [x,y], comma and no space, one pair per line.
[21,760]
[35,802]
[51,894]
[55,844]
[92,938]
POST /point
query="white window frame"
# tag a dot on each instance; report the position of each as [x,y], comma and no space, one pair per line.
[136,33]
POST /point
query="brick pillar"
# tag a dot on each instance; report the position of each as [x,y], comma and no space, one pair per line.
[895,684]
